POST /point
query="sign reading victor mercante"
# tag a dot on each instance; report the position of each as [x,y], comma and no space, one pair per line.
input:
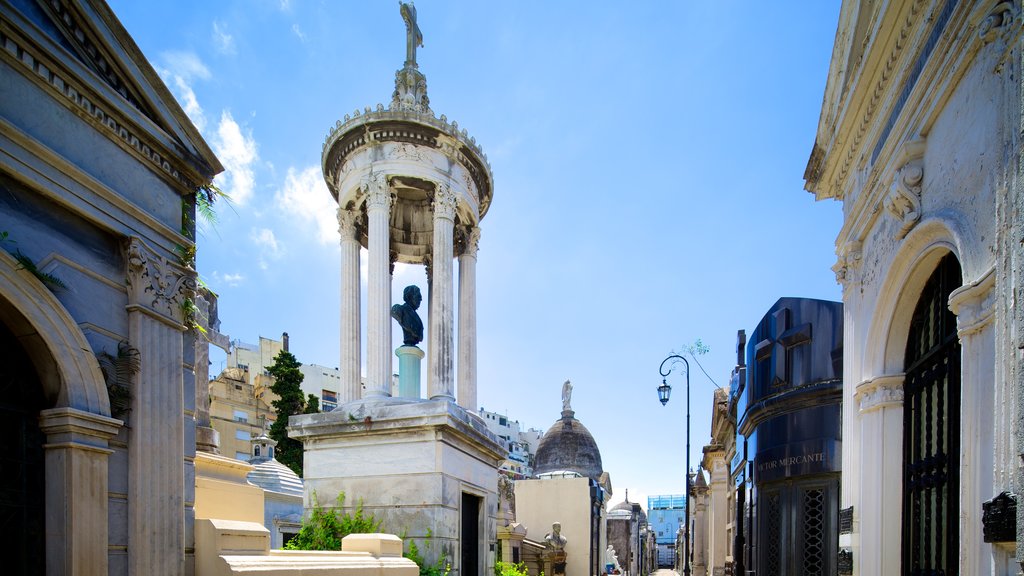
[797,459]
[791,460]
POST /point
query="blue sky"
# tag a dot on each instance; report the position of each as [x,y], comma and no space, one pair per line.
[647,158]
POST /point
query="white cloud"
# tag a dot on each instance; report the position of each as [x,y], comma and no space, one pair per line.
[305,195]
[179,71]
[266,241]
[232,280]
[298,32]
[224,41]
[237,152]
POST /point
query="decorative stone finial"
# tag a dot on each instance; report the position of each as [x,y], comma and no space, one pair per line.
[410,84]
[567,396]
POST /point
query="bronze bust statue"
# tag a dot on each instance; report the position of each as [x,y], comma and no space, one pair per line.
[407,317]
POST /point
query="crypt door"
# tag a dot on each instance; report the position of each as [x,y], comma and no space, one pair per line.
[22,486]
[931,430]
[799,532]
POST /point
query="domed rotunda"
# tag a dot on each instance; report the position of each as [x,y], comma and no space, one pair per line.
[568,447]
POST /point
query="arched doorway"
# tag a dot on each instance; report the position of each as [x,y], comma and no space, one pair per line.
[931,429]
[22,486]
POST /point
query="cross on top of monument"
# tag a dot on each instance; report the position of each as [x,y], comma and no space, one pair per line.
[413,36]
[784,338]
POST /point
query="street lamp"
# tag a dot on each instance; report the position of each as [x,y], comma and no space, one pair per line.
[664,391]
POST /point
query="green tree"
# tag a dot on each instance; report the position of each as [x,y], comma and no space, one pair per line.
[291,401]
[312,405]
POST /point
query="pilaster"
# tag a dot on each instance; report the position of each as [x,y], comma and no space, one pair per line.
[158,293]
[442,314]
[351,388]
[879,512]
[467,319]
[378,330]
[974,307]
[76,490]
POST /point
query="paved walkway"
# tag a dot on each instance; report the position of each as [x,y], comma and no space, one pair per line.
[664,572]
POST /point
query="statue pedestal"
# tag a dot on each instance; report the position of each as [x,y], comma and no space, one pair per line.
[409,371]
[554,562]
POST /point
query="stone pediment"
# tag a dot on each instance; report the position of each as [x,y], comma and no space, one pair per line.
[82,52]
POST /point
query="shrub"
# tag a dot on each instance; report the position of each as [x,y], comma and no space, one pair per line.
[325,528]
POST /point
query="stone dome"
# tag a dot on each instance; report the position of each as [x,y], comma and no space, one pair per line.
[268,473]
[568,446]
[631,507]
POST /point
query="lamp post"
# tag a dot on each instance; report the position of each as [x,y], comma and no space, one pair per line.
[663,393]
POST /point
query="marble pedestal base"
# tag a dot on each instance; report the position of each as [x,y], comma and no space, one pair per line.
[413,464]
[409,358]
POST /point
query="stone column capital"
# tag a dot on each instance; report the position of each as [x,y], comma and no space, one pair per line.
[974,304]
[378,192]
[470,240]
[158,285]
[348,221]
[445,202]
[70,426]
[879,392]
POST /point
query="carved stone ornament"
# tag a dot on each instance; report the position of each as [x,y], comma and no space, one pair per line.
[156,283]
[904,199]
[471,240]
[347,223]
[378,193]
[848,262]
[999,19]
[879,393]
[444,202]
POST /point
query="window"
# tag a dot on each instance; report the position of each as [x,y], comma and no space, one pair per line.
[241,434]
[241,416]
[502,421]
[241,456]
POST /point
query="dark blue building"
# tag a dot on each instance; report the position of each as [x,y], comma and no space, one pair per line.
[788,442]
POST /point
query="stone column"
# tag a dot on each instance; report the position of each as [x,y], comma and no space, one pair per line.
[351,387]
[467,320]
[442,314]
[879,511]
[974,306]
[157,290]
[76,489]
[378,329]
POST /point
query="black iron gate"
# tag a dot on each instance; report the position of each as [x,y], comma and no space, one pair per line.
[931,430]
[21,461]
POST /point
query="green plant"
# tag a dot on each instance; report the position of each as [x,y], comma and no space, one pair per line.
[291,401]
[117,373]
[25,263]
[190,316]
[325,528]
[442,567]
[510,569]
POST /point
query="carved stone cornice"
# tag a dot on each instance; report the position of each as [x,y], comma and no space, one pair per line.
[848,263]
[156,284]
[445,202]
[69,90]
[348,221]
[974,304]
[904,198]
[881,392]
[378,192]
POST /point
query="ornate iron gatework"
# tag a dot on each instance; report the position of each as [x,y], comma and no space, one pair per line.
[931,430]
[999,518]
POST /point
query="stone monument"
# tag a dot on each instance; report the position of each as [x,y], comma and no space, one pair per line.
[411,188]
[554,550]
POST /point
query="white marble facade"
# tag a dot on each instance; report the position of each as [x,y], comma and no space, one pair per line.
[919,140]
